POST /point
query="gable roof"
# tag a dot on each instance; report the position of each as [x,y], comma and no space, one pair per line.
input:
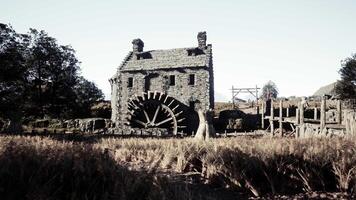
[326,90]
[167,59]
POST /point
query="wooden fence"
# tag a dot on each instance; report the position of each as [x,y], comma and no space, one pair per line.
[343,123]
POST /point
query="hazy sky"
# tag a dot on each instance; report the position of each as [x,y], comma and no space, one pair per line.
[297,44]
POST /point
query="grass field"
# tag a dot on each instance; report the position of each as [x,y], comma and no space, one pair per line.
[78,167]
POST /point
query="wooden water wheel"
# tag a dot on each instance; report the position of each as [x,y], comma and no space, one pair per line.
[155,110]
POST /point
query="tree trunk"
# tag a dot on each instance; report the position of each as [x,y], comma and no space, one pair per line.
[205,129]
[13,123]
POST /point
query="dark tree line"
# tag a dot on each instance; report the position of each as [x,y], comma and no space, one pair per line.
[41,78]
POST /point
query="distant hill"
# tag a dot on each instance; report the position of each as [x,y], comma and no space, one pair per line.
[326,90]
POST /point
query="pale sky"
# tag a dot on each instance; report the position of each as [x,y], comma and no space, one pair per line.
[297,44]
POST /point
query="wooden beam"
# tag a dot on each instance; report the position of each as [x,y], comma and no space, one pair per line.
[287,112]
[263,114]
[322,113]
[301,113]
[338,112]
[315,113]
[297,131]
[280,118]
[297,115]
[271,118]
[244,88]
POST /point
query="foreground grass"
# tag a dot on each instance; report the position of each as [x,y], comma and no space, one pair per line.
[113,168]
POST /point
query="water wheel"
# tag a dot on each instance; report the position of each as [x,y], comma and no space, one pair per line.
[155,110]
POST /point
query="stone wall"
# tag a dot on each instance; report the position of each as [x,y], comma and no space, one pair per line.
[199,92]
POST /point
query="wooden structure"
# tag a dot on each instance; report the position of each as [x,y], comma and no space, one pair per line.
[301,125]
[237,91]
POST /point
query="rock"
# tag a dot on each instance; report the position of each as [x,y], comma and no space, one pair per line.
[314,195]
[323,195]
[41,123]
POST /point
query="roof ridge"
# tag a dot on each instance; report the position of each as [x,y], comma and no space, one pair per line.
[169,49]
[126,59]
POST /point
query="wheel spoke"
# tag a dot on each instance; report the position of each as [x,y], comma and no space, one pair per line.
[140,122]
[150,110]
[146,115]
[156,113]
[164,121]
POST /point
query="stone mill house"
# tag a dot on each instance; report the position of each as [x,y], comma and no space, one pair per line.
[159,91]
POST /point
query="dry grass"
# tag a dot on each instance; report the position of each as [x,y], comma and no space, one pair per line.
[256,165]
[114,168]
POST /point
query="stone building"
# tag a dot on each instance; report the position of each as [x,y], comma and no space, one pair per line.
[161,90]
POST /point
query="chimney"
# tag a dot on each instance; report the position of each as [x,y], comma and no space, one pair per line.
[202,40]
[137,45]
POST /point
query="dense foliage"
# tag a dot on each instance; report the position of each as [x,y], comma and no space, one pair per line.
[346,87]
[13,72]
[269,90]
[40,78]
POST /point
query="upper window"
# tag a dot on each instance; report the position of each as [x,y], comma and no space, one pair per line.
[191,79]
[130,82]
[172,80]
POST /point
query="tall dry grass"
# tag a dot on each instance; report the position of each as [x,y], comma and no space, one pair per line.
[258,166]
[115,168]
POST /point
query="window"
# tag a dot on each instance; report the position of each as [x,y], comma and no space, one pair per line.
[130,82]
[191,79]
[172,80]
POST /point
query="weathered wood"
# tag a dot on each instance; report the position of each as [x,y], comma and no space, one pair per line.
[338,112]
[280,118]
[287,112]
[350,123]
[297,115]
[263,115]
[301,113]
[315,113]
[322,113]
[271,118]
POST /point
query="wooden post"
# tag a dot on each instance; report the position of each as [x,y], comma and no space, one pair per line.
[272,118]
[233,97]
[257,106]
[280,118]
[297,115]
[315,113]
[301,113]
[263,114]
[322,114]
[297,131]
[287,112]
[338,112]
[297,122]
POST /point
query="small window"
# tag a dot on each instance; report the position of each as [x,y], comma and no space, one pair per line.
[191,79]
[172,80]
[130,82]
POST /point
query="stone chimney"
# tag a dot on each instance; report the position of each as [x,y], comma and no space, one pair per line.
[137,45]
[202,40]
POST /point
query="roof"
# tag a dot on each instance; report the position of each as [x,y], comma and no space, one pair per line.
[326,90]
[167,59]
